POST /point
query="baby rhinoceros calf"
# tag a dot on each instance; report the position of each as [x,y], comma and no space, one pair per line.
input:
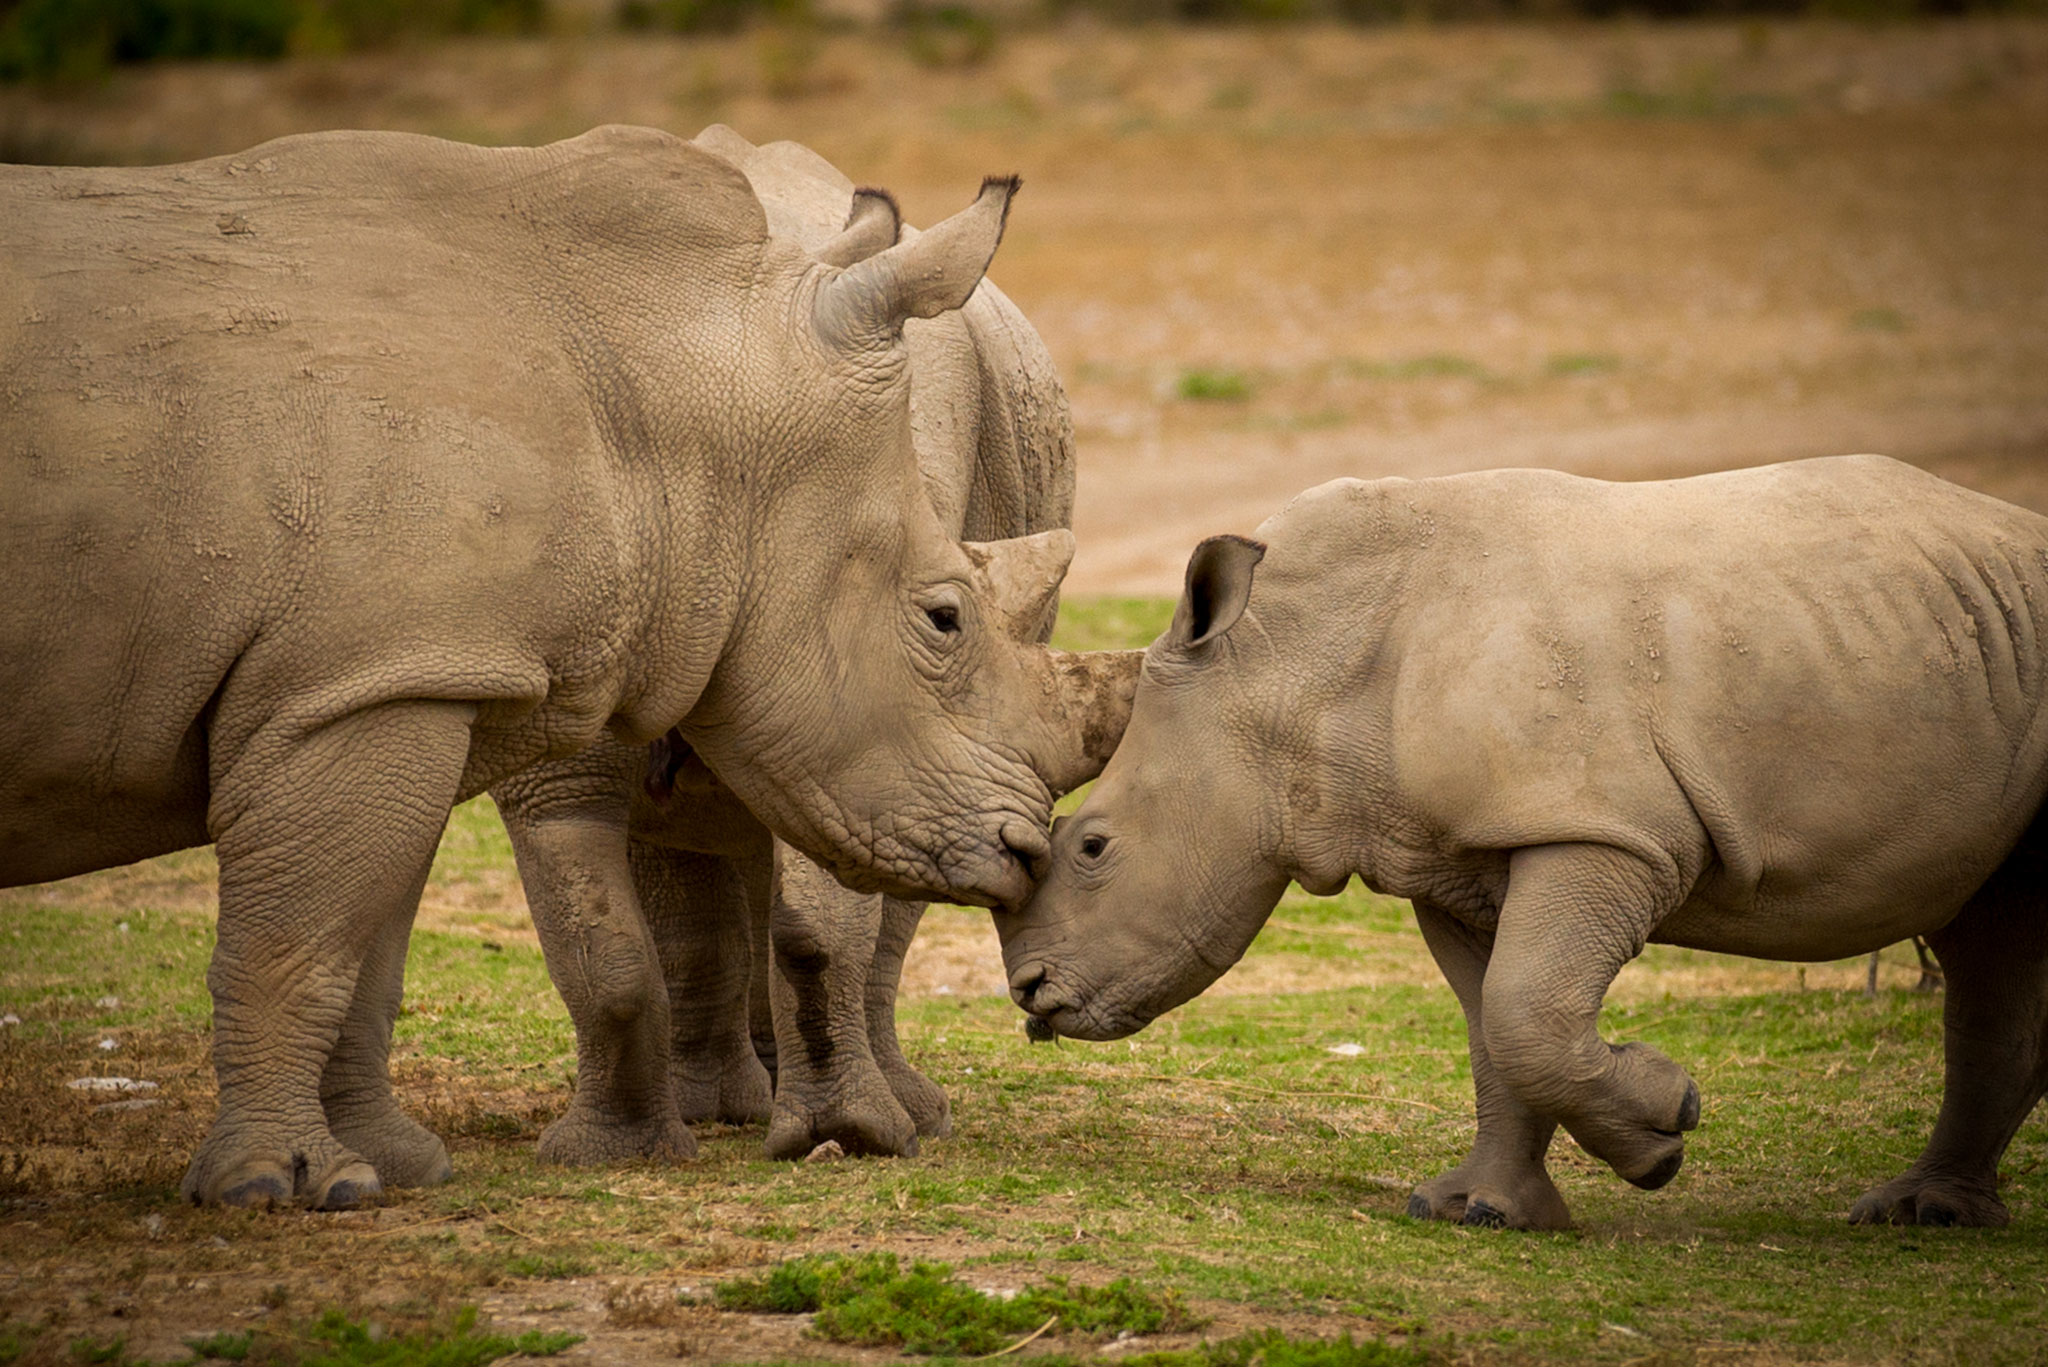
[1793,712]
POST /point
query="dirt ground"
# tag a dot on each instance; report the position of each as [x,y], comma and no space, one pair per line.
[1626,251]
[1622,250]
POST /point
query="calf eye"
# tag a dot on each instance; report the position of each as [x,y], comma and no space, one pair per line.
[946,619]
[1092,846]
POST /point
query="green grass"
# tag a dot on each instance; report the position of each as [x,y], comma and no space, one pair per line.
[1213,386]
[1250,1152]
[872,1301]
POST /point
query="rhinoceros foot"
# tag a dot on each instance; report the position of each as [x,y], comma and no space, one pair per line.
[1915,1199]
[403,1152]
[583,1138]
[861,1113]
[245,1165]
[1498,1195]
[733,1089]
[922,1099]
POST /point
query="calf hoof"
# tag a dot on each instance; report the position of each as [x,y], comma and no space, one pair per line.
[1483,1214]
[1661,1172]
[1498,1199]
[1914,1201]
[580,1139]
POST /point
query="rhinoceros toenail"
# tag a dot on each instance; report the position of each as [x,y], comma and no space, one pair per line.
[1480,1215]
[1937,1213]
[1689,1110]
[1419,1207]
[1662,1173]
[257,1191]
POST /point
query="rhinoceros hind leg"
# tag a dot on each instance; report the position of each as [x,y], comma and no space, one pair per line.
[923,1099]
[324,836]
[828,1085]
[1574,914]
[1994,955]
[355,1088]
[1502,1183]
[699,908]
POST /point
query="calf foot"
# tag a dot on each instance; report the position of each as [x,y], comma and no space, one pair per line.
[403,1152]
[270,1166]
[1660,1103]
[1491,1196]
[583,1138]
[1918,1199]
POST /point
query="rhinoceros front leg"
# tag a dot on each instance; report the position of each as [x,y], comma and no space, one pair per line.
[324,840]
[929,1109]
[1573,915]
[827,1085]
[1995,1042]
[700,907]
[1502,1182]
[355,1089]
[567,822]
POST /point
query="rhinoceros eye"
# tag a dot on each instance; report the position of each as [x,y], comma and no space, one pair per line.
[944,617]
[1092,846]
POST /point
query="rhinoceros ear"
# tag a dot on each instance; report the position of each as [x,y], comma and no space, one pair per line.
[872,225]
[867,304]
[1219,584]
[1023,577]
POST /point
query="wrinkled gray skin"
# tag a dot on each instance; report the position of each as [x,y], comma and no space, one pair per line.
[348,476]
[661,958]
[1793,712]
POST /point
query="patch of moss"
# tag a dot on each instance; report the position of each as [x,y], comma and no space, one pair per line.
[872,1301]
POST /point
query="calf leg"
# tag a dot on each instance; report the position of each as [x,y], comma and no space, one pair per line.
[699,907]
[1502,1182]
[324,840]
[1995,1040]
[355,1089]
[828,1085]
[919,1095]
[567,821]
[1574,914]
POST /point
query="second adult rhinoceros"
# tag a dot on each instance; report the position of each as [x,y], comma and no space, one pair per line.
[347,476]
[1794,712]
[652,891]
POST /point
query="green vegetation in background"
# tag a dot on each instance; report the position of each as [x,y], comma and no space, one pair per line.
[81,38]
[1109,623]
[871,1301]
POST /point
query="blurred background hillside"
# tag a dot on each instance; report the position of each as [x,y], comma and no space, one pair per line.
[1275,241]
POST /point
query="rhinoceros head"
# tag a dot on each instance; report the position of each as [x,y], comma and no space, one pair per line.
[1161,879]
[882,701]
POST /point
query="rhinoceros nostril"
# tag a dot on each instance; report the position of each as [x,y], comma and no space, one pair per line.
[1024,984]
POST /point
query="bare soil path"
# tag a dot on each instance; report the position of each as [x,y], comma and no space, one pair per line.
[1621,250]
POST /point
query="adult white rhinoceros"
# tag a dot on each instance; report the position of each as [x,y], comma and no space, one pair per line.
[348,476]
[652,898]
[1793,712]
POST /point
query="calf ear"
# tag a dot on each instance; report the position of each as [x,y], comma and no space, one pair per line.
[1219,584]
[872,225]
[868,302]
